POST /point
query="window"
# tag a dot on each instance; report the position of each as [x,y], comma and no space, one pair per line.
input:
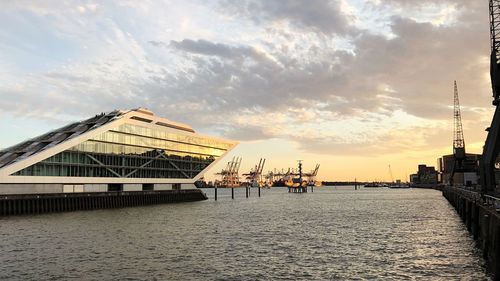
[147,186]
[115,187]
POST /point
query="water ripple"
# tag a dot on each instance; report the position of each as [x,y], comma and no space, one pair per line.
[331,234]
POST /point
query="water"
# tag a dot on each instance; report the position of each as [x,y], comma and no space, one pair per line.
[331,234]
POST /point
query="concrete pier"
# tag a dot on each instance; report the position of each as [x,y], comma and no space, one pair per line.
[65,202]
[482,220]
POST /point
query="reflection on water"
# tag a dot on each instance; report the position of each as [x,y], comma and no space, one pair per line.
[333,233]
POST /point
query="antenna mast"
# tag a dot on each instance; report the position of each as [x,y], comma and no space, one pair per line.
[390,173]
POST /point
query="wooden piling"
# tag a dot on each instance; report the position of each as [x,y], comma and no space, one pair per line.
[21,204]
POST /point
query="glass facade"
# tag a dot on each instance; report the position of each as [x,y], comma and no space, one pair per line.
[132,151]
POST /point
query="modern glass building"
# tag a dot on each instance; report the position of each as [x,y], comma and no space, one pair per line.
[119,151]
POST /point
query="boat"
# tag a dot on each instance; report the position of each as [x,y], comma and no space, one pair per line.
[373,184]
[400,185]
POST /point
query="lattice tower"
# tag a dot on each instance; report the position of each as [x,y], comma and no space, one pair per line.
[458,139]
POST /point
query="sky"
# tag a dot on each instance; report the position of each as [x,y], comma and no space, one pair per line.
[354,85]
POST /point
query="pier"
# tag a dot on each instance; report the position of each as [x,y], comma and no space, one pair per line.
[297,189]
[481,216]
[66,202]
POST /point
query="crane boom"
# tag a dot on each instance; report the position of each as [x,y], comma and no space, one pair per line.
[458,137]
[495,49]
[492,145]
[458,140]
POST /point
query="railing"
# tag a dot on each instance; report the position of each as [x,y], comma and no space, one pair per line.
[475,196]
[492,201]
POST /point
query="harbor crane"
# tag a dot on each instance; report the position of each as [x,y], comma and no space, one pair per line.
[254,177]
[458,137]
[311,177]
[492,145]
[292,177]
[230,176]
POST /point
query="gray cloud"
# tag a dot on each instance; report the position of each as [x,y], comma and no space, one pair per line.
[212,82]
[319,16]
[204,47]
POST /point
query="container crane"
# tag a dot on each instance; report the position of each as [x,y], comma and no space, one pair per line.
[311,177]
[254,177]
[230,176]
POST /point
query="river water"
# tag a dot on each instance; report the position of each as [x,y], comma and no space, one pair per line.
[335,233]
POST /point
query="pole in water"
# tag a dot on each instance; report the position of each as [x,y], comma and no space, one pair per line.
[232,192]
[215,193]
[259,190]
[312,188]
[246,190]
[355,184]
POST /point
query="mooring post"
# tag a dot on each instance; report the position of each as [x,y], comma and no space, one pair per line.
[232,192]
[259,190]
[312,188]
[215,193]
[246,190]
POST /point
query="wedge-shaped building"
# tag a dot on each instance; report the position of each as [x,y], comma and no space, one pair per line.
[131,150]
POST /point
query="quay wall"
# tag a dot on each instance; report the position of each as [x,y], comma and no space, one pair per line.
[22,204]
[482,221]
[428,186]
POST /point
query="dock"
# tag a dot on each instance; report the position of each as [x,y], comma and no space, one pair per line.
[297,189]
[25,204]
[480,214]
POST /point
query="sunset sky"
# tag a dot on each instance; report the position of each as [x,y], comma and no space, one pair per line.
[354,85]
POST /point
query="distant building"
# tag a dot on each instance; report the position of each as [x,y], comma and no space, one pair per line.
[124,150]
[425,175]
[414,178]
[468,176]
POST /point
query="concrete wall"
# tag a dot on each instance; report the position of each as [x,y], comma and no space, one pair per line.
[163,186]
[71,188]
[68,188]
[20,188]
[132,187]
[470,177]
[188,186]
[95,188]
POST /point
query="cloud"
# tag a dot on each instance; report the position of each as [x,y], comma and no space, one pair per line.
[289,70]
[321,16]
[204,47]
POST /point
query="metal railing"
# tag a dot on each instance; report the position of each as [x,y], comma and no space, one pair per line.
[473,194]
[492,201]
